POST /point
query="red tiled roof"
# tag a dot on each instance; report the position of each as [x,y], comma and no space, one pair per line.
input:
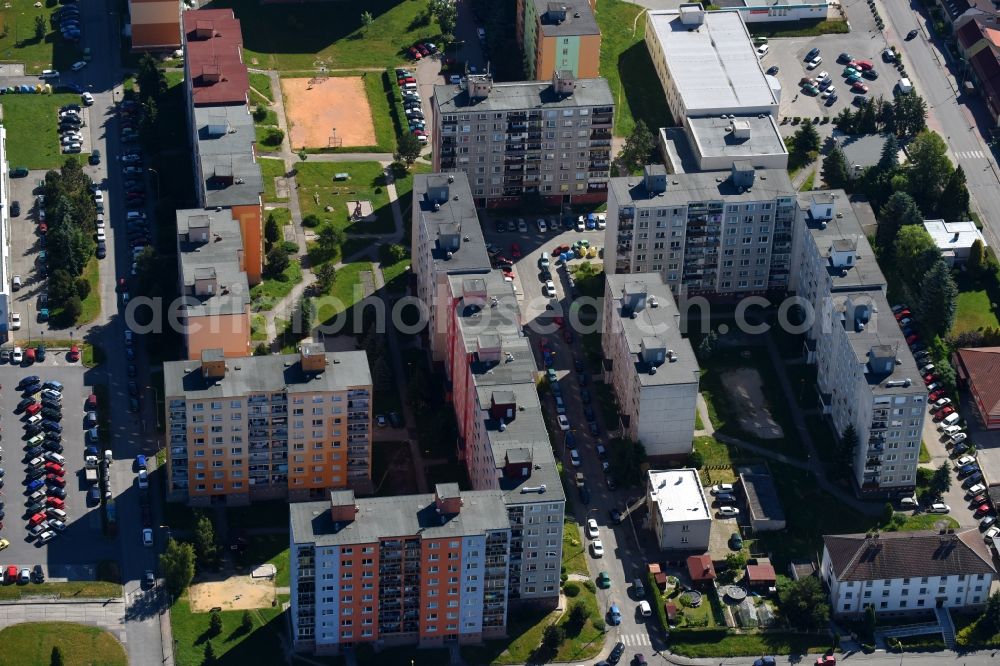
[761,573]
[700,568]
[981,367]
[213,59]
[969,34]
[156,36]
[908,555]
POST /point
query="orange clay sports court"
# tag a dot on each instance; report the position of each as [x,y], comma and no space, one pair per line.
[328,112]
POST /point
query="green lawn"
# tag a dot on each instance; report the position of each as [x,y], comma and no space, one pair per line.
[574,549]
[258,328]
[926,521]
[329,34]
[31,643]
[262,84]
[282,216]
[32,130]
[718,643]
[92,304]
[393,272]
[798,28]
[974,312]
[18,42]
[82,589]
[626,65]
[265,294]
[271,169]
[261,646]
[807,184]
[261,134]
[318,189]
[347,290]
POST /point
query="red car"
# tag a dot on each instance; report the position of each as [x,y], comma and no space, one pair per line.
[55,480]
[423,49]
[945,411]
[419,132]
[74,354]
[982,510]
[33,409]
[937,395]
[913,339]
[54,468]
[91,402]
[558,249]
[515,250]
[930,379]
[415,54]
[43,228]
[508,274]
[543,344]
[36,519]
[406,79]
[10,574]
[558,321]
[55,502]
[859,87]
[902,314]
[827,660]
[865,65]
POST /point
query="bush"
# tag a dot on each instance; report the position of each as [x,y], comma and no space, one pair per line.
[82,288]
[73,308]
[259,114]
[311,221]
[291,247]
[571,589]
[274,137]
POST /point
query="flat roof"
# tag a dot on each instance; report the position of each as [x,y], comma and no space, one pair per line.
[398,516]
[950,236]
[522,95]
[678,495]
[683,188]
[652,326]
[453,213]
[577,18]
[762,496]
[275,373]
[214,62]
[865,274]
[218,257]
[713,64]
[225,137]
[712,136]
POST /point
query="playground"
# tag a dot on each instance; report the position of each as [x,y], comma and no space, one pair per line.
[328,112]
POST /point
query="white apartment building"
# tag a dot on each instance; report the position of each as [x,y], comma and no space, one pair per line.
[651,368]
[679,514]
[906,572]
[266,427]
[716,233]
[551,139]
[867,376]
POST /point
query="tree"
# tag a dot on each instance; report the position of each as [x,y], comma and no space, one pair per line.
[209,658]
[274,136]
[149,128]
[736,561]
[707,346]
[627,458]
[834,171]
[204,540]
[367,20]
[887,513]
[57,658]
[382,375]
[928,169]
[408,148]
[941,481]
[553,637]
[271,231]
[977,258]
[846,445]
[61,285]
[326,275]
[577,616]
[246,623]
[177,564]
[954,201]
[889,159]
[277,261]
[696,459]
[311,220]
[73,308]
[900,210]
[871,622]
[151,79]
[329,239]
[803,603]
[447,17]
[40,28]
[806,139]
[637,149]
[82,287]
[938,299]
[989,623]
[914,252]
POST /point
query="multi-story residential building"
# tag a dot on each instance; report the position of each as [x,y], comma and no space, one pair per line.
[866,375]
[446,240]
[707,63]
[713,233]
[406,570]
[154,25]
[907,572]
[559,37]
[679,515]
[713,143]
[526,138]
[976,32]
[227,175]
[215,310]
[649,366]
[263,427]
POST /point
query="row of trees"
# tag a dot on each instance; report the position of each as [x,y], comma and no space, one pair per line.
[904,116]
[71,218]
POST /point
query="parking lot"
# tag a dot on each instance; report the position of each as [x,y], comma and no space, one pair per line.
[75,552]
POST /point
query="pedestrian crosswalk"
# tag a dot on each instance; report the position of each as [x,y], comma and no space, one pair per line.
[635,640]
[970,155]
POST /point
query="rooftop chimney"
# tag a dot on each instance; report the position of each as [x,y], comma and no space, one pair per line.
[213,364]
[634,296]
[313,357]
[654,177]
[447,498]
[743,174]
[563,83]
[692,14]
[479,85]
[343,508]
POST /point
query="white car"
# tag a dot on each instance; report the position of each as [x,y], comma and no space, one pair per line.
[78,65]
[959,437]
[101,236]
[975,490]
[822,76]
[728,511]
[15,321]
[45,537]
[991,533]
[147,537]
[597,548]
[87,98]
[602,221]
[17,356]
[964,460]
[15,282]
[952,430]
[563,422]
[938,404]
[574,458]
[592,530]
[49,74]
[938,507]
[814,63]
[721,488]
[549,289]
[832,90]
[542,228]
[98,196]
[580,224]
[143,479]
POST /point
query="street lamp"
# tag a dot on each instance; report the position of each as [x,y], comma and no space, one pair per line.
[157,174]
[156,404]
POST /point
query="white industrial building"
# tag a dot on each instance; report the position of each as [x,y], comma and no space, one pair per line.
[650,367]
[767,11]
[906,572]
[679,515]
[954,239]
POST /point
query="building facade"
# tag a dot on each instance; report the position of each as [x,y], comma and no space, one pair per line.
[649,366]
[417,570]
[679,514]
[907,572]
[558,37]
[264,427]
[512,140]
[715,233]
[154,25]
[866,376]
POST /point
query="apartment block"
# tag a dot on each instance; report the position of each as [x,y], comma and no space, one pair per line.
[722,234]
[559,37]
[289,426]
[680,516]
[154,25]
[904,573]
[551,139]
[446,240]
[649,366]
[227,175]
[866,376]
